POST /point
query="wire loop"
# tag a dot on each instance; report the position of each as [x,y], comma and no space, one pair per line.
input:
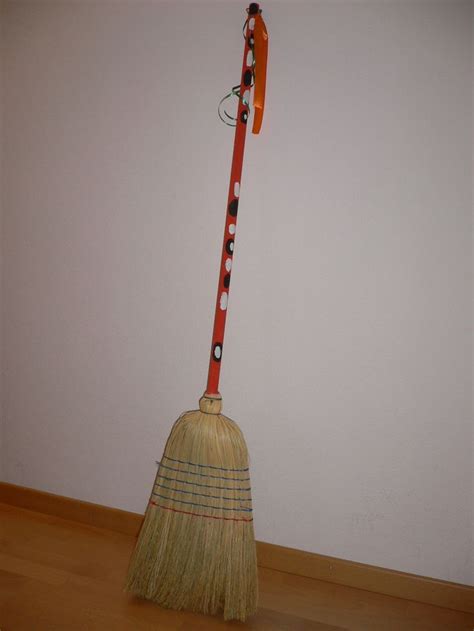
[225,117]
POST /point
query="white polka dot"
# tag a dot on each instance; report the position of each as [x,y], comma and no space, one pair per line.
[223,301]
[228,264]
[249,58]
[236,188]
[232,228]
[217,352]
[246,97]
[231,246]
[252,24]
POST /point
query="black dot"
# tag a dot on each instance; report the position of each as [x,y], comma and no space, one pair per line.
[227,281]
[247,77]
[233,207]
[229,246]
[244,116]
[217,352]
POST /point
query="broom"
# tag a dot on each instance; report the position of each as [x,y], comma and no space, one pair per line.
[196,548]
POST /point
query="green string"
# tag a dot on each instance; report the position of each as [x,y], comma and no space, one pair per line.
[235,91]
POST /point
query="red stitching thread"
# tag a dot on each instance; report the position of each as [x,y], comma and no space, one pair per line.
[175,510]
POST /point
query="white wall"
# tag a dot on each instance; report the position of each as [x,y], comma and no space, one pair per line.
[348,356]
[1,240]
[472,276]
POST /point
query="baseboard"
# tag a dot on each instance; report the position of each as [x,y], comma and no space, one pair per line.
[350,573]
[380,580]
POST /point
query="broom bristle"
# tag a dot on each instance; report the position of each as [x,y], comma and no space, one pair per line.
[196,549]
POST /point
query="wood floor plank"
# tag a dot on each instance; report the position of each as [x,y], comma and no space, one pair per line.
[58,575]
[345,572]
[23,567]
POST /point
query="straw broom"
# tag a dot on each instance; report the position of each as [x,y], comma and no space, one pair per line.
[196,549]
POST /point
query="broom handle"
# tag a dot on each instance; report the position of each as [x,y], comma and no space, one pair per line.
[231,213]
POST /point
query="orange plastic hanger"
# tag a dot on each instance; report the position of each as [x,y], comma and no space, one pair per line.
[261,55]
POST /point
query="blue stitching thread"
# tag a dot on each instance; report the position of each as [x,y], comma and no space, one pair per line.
[205,466]
[239,510]
[208,486]
[214,497]
[204,475]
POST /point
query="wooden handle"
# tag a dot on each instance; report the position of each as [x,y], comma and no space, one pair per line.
[232,205]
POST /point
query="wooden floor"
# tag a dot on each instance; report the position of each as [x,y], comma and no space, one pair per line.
[57,575]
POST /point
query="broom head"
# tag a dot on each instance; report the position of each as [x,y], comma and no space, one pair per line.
[196,549]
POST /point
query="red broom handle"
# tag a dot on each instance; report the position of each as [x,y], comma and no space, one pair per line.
[231,213]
